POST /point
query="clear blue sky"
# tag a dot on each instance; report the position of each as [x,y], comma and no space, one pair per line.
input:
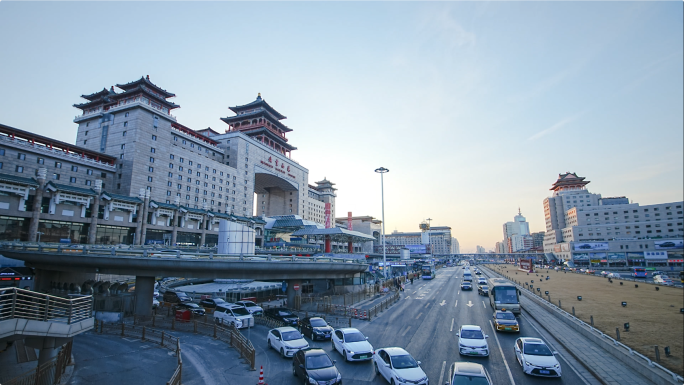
[474,107]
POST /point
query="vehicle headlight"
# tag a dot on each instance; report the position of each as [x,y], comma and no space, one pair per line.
[400,379]
[462,346]
[312,381]
[528,364]
[351,353]
[339,376]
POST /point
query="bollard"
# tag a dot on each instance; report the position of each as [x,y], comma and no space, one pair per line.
[122,328]
[559,304]
[195,328]
[573,311]
[349,321]
[162,339]
[617,333]
[657,353]
[173,323]
[591,317]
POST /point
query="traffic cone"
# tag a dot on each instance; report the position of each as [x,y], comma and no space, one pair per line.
[261,376]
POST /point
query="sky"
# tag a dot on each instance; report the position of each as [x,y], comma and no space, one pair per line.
[474,107]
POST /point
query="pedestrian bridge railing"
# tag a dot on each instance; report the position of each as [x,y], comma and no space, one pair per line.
[26,304]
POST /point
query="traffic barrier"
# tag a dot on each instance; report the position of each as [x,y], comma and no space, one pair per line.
[261,376]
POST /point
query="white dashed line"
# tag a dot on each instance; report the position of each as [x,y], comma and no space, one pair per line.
[452,325]
[483,304]
[510,375]
[406,331]
[456,304]
[441,375]
[418,316]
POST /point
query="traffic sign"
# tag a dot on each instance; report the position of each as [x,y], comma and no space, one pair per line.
[295,287]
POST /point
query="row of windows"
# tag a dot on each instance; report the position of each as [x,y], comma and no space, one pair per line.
[22,156]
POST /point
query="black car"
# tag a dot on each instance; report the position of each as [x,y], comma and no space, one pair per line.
[466,286]
[315,366]
[478,272]
[585,246]
[282,314]
[176,297]
[193,307]
[316,328]
[211,303]
[667,244]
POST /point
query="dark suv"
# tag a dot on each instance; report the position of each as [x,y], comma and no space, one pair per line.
[282,314]
[211,303]
[315,366]
[176,297]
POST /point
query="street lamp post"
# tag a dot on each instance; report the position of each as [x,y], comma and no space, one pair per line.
[432,254]
[39,234]
[381,171]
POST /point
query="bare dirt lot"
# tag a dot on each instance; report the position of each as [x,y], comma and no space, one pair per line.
[654,316]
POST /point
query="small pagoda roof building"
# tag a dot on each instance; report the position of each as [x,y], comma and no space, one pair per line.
[569,181]
[259,103]
[145,82]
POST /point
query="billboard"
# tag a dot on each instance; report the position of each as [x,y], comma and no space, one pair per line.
[591,246]
[417,249]
[580,257]
[671,244]
[616,256]
[526,265]
[661,255]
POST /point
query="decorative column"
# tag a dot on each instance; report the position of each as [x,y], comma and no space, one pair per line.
[37,203]
[138,226]
[174,231]
[146,208]
[205,217]
[92,233]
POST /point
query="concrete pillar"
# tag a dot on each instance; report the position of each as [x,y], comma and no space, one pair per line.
[174,231]
[49,347]
[205,217]
[37,202]
[94,210]
[291,293]
[144,291]
[146,205]
[327,244]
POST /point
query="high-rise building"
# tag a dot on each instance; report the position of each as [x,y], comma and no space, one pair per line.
[585,228]
[518,226]
[480,249]
[538,239]
[455,246]
[439,239]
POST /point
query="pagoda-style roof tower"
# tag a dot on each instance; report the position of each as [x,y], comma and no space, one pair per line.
[569,181]
[140,91]
[263,123]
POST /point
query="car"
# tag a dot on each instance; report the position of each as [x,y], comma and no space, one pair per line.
[233,314]
[481,281]
[667,244]
[211,303]
[314,366]
[251,307]
[155,303]
[662,280]
[176,297]
[465,285]
[584,246]
[316,328]
[483,290]
[468,373]
[505,321]
[352,344]
[657,272]
[282,314]
[193,307]
[472,341]
[286,340]
[536,358]
[478,272]
[397,366]
[155,294]
[613,275]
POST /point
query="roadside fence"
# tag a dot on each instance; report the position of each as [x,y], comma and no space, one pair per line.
[201,325]
[49,373]
[164,339]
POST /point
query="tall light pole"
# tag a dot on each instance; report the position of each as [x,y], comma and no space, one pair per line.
[429,242]
[381,171]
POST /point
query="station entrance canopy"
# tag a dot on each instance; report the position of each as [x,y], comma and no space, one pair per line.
[336,234]
[264,182]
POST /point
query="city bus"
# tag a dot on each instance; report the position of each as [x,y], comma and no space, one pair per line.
[638,272]
[503,295]
[428,271]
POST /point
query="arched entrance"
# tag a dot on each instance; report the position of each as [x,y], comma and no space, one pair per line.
[275,195]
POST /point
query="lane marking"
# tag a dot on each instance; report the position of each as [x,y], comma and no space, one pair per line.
[442,303]
[470,304]
[552,348]
[456,303]
[483,305]
[459,292]
[406,331]
[452,325]
[415,291]
[419,314]
[510,375]
[407,297]
[427,304]
[441,375]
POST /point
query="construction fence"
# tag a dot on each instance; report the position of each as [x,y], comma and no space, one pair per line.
[49,373]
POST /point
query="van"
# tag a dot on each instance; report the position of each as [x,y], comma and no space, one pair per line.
[467,276]
[176,297]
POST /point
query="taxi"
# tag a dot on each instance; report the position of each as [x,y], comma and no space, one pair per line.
[504,321]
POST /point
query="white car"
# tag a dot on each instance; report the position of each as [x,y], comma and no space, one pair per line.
[352,344]
[233,314]
[286,341]
[398,367]
[251,307]
[663,280]
[613,275]
[472,341]
[536,358]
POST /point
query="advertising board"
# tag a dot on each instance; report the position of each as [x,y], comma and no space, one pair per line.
[417,249]
[661,255]
[591,246]
[616,256]
[526,265]
[580,257]
[669,244]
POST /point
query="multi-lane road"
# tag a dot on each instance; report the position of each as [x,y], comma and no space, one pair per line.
[425,322]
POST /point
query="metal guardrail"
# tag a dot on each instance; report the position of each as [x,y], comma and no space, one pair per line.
[676,377]
[154,253]
[164,339]
[26,304]
[48,373]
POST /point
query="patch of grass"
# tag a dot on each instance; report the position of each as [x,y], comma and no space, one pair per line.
[653,316]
